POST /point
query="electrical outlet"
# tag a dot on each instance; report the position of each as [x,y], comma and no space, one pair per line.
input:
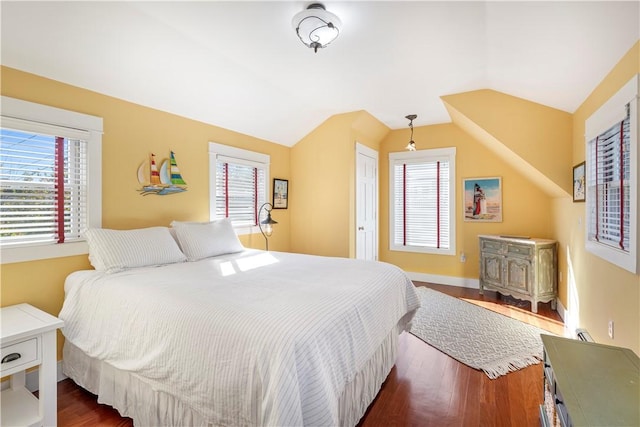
[463,257]
[611,329]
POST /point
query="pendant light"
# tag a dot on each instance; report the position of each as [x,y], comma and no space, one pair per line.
[411,146]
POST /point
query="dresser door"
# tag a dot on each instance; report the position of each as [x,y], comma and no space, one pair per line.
[546,271]
[519,275]
[491,265]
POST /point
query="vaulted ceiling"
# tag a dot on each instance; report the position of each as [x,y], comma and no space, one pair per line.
[239,65]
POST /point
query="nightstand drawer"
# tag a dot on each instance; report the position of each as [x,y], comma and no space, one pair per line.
[19,355]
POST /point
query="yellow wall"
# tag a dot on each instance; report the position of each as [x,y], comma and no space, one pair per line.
[526,209]
[597,291]
[530,130]
[131,132]
[321,172]
[323,183]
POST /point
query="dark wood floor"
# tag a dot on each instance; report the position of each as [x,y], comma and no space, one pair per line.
[425,387]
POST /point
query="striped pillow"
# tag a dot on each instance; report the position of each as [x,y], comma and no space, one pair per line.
[116,250]
[207,239]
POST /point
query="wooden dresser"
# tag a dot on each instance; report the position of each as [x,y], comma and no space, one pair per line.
[589,384]
[524,268]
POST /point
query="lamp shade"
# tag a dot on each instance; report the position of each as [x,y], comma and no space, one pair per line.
[316,27]
[268,222]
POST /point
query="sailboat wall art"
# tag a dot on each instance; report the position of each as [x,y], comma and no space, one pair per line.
[163,181]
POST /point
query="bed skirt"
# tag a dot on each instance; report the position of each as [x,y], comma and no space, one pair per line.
[133,397]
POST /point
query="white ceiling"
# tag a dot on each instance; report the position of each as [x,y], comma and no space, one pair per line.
[239,65]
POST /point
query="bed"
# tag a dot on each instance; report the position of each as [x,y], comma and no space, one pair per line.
[238,338]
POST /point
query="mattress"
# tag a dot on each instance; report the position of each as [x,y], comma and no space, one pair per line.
[253,338]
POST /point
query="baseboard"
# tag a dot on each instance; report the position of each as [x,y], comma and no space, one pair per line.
[560,309]
[475,284]
[445,280]
[569,329]
[32,379]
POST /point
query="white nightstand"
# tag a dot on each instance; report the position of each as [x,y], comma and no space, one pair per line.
[28,339]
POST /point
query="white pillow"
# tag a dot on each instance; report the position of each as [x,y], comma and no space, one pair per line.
[116,250]
[207,239]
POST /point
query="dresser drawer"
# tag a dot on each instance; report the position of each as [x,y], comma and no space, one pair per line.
[520,250]
[20,355]
[492,246]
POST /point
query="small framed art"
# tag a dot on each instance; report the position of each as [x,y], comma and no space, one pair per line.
[483,199]
[280,193]
[579,183]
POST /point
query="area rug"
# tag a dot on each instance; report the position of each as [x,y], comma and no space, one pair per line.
[475,336]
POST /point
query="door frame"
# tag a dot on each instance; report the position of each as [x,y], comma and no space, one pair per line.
[368,152]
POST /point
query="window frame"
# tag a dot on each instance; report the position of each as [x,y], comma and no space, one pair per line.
[430,155]
[38,117]
[611,112]
[248,157]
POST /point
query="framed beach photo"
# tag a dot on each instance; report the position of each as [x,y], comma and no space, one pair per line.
[579,183]
[280,193]
[482,199]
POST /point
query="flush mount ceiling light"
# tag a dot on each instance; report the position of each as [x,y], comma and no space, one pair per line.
[316,27]
[411,146]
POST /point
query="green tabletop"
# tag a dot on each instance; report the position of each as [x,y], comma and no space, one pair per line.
[599,384]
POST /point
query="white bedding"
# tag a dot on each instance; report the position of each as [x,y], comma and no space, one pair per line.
[254,338]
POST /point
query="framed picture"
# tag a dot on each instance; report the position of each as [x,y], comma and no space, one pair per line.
[280,193]
[579,183]
[482,199]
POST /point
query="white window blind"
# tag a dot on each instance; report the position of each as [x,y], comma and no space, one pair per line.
[43,190]
[612,158]
[50,180]
[237,192]
[608,186]
[422,202]
[238,183]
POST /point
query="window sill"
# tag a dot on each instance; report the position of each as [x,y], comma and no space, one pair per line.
[40,252]
[622,259]
[423,250]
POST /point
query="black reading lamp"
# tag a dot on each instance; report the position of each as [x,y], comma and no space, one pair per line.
[268,222]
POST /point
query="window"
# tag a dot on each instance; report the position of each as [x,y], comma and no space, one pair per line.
[422,201]
[50,180]
[608,186]
[238,184]
[612,180]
